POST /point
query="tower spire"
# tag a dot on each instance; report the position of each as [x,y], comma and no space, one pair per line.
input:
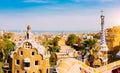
[103,42]
[28,31]
[103,47]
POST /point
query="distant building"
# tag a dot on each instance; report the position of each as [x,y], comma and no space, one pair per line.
[28,57]
[85,37]
[65,52]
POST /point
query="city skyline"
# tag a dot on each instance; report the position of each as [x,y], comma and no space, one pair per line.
[58,15]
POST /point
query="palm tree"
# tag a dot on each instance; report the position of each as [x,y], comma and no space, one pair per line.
[90,45]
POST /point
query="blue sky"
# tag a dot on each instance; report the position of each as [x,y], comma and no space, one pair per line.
[58,15]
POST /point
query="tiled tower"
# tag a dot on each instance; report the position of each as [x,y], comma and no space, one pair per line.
[103,47]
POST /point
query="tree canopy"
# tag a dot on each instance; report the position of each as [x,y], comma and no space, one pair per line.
[53,59]
[91,43]
[54,49]
[55,41]
[5,47]
[8,47]
[72,39]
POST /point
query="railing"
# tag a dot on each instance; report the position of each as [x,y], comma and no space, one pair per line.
[103,69]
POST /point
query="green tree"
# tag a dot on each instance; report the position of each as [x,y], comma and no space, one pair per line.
[54,48]
[5,47]
[72,39]
[45,44]
[8,47]
[90,43]
[53,59]
[54,45]
[55,41]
